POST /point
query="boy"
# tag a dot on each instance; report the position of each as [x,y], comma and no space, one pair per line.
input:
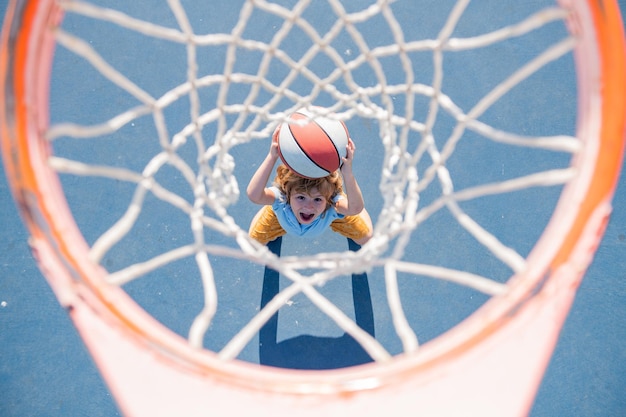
[306,207]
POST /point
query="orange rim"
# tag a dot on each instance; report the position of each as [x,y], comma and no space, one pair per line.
[25,66]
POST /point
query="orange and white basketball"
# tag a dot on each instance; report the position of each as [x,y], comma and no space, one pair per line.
[312,149]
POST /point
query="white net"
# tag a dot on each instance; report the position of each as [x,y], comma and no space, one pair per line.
[461,171]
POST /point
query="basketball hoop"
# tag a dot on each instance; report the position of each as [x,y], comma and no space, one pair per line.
[489,364]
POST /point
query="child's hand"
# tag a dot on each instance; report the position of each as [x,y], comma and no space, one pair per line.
[347,160]
[274,145]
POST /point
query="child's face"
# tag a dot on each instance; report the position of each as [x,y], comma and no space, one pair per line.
[307,206]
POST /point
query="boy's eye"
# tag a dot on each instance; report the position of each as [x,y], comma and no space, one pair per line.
[318,199]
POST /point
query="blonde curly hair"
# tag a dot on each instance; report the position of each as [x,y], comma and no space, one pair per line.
[288,182]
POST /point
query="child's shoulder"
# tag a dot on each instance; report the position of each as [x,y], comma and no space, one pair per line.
[339,196]
[278,194]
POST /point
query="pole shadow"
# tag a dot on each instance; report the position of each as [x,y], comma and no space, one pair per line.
[315,352]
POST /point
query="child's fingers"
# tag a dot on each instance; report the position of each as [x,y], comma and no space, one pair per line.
[350,148]
[274,144]
[275,134]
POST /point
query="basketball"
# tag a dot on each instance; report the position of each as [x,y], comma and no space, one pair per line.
[313,149]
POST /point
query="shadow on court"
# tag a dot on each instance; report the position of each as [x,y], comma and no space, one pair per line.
[314,352]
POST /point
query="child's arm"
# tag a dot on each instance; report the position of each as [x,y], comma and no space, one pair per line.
[257,191]
[354,203]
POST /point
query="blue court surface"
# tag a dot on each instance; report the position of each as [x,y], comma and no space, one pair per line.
[45,369]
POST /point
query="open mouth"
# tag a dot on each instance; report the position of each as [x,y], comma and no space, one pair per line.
[307,217]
